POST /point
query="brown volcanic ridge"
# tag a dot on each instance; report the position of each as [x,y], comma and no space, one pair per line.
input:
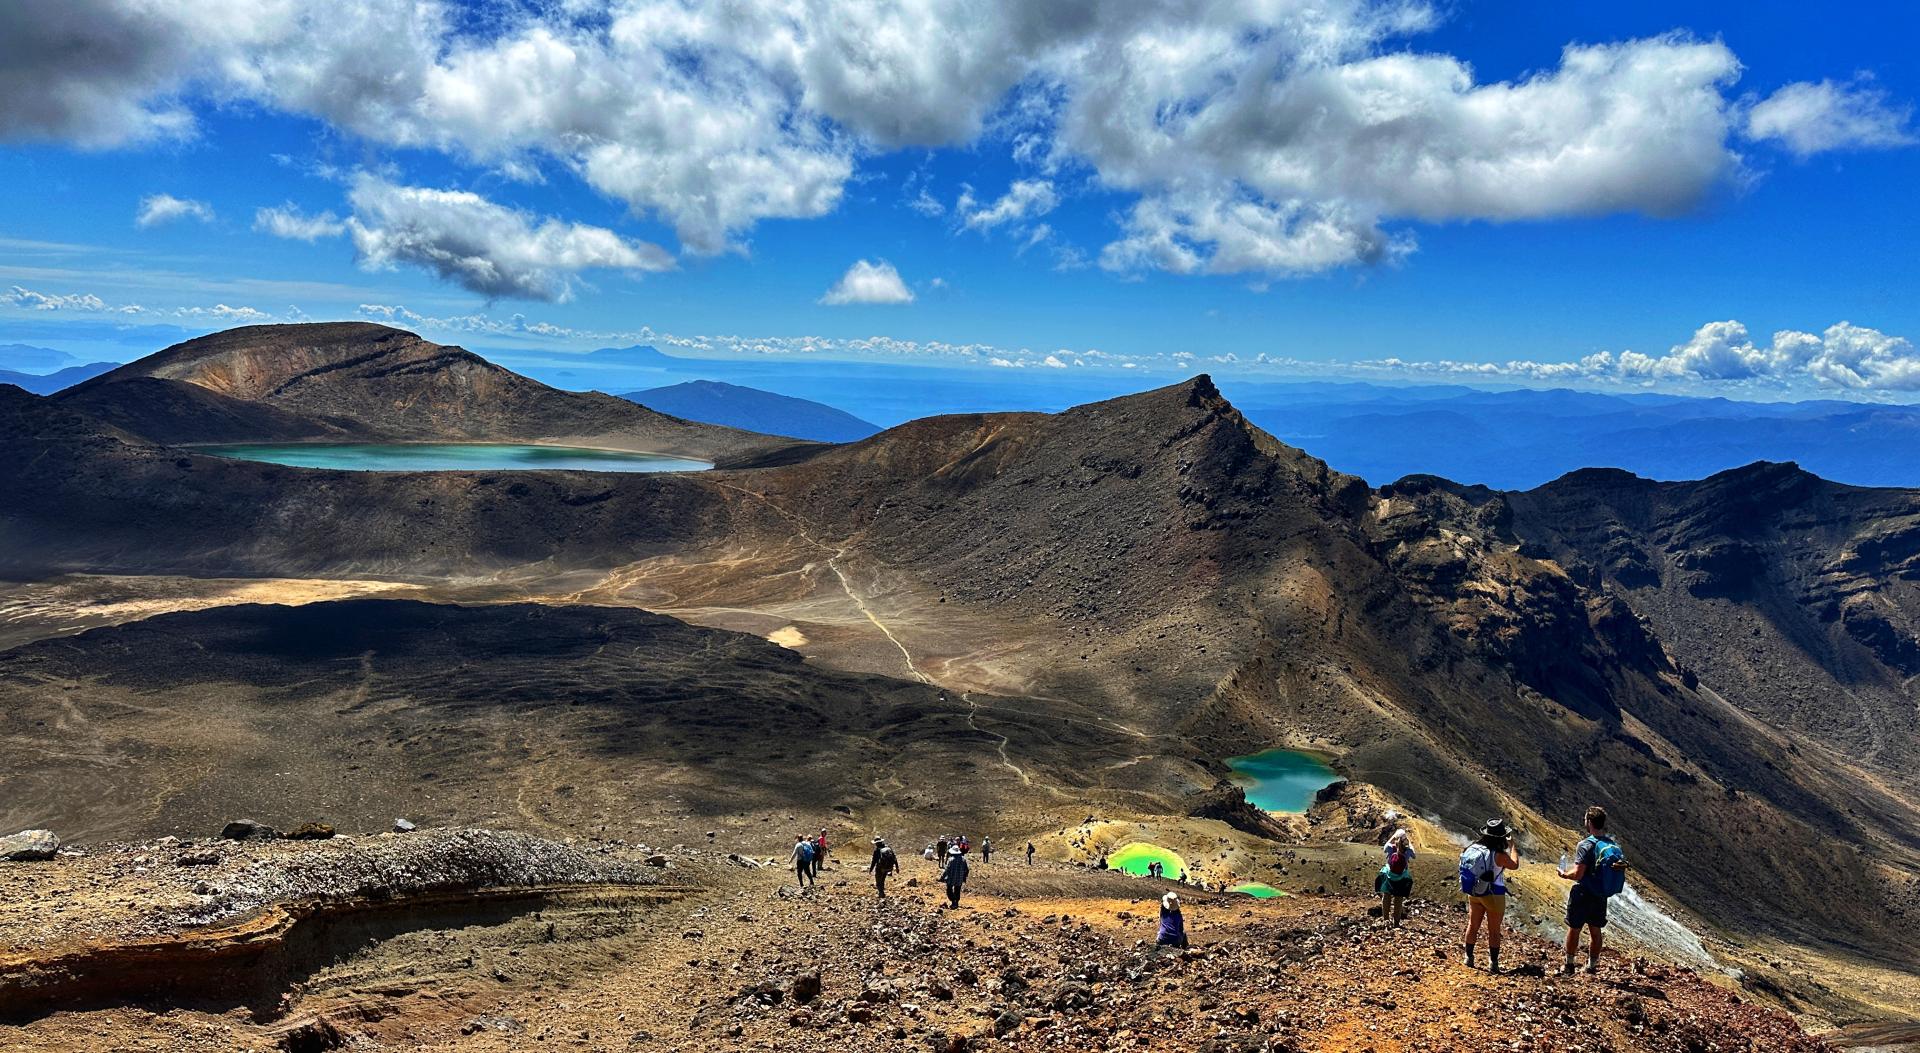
[357,381]
[1041,627]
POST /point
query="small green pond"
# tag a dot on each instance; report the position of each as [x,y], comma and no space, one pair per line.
[1281,780]
[1134,856]
[450,457]
[1257,889]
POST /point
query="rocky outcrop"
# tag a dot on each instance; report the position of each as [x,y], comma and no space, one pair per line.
[28,846]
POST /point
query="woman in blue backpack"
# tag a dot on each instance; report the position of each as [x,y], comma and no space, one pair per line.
[1482,879]
[1599,873]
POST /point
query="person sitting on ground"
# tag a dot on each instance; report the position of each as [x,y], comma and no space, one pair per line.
[1173,924]
[1482,878]
[1394,883]
[1599,873]
[802,860]
[884,862]
[954,875]
[928,853]
[1029,853]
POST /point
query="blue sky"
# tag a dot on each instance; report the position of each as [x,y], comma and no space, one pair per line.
[1164,187]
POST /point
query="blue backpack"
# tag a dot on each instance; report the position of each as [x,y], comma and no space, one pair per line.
[806,851]
[1609,877]
[1479,873]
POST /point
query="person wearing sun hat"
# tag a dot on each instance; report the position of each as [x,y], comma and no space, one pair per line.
[1482,878]
[954,875]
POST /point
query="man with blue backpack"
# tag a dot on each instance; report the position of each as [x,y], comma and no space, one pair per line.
[1599,873]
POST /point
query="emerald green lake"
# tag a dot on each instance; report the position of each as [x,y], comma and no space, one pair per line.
[1134,856]
[450,457]
[1281,780]
[1257,889]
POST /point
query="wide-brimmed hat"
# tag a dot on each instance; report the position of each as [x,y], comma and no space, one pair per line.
[1170,900]
[955,851]
[1496,828]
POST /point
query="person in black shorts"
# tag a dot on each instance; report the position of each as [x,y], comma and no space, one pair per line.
[1587,899]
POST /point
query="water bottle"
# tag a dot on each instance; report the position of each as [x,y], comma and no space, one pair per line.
[1563,862]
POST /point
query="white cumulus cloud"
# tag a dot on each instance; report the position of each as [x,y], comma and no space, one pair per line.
[287,221]
[1025,199]
[159,209]
[1814,117]
[486,247]
[1266,137]
[868,283]
[1845,356]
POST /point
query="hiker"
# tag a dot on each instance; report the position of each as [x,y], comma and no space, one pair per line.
[1173,924]
[986,850]
[954,875]
[1029,853]
[1486,888]
[1599,873]
[965,845]
[884,862]
[927,853]
[819,852]
[1153,869]
[802,861]
[1395,880]
[940,850]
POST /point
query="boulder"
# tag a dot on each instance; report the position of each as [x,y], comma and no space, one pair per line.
[247,830]
[805,988]
[29,845]
[401,826]
[310,832]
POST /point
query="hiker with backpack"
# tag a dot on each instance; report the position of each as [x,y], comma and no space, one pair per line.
[1482,879]
[1029,853]
[1599,873]
[954,875]
[819,852]
[1394,883]
[986,850]
[802,860]
[1173,924]
[884,863]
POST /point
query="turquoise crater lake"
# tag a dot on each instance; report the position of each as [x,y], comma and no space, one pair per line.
[1281,780]
[450,457]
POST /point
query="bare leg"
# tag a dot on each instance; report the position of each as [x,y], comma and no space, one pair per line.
[1595,940]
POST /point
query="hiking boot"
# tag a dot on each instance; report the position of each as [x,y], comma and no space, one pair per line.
[1593,966]
[1469,956]
[1567,969]
[1493,961]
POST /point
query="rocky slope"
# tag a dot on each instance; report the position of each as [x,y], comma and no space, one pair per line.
[1037,958]
[361,381]
[1154,583]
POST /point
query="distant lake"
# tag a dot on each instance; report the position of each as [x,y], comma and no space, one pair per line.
[450,457]
[1281,780]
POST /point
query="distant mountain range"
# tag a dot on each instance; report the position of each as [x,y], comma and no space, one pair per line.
[1523,438]
[58,380]
[714,402]
[28,358]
